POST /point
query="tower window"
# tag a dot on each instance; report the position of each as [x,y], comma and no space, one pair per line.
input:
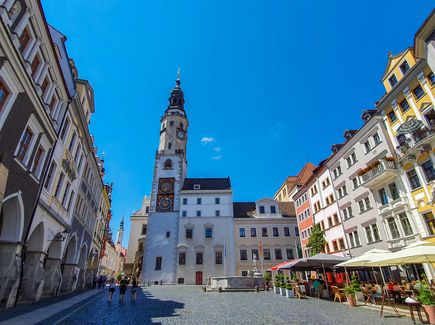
[171,123]
[168,234]
[168,164]
[181,125]
[169,146]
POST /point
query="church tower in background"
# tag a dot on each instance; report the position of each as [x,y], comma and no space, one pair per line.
[170,170]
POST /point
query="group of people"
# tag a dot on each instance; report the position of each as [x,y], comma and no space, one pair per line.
[122,285]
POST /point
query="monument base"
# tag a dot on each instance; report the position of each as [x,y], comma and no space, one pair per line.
[237,283]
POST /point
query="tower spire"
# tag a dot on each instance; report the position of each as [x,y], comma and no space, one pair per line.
[176,100]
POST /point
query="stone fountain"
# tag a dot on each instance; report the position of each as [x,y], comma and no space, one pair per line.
[252,281]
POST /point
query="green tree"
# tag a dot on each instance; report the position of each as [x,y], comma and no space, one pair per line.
[316,242]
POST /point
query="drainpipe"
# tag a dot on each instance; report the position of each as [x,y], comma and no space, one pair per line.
[35,206]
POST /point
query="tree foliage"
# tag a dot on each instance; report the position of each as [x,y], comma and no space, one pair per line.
[316,242]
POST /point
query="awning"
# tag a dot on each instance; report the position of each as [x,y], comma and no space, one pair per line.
[366,258]
[410,126]
[318,261]
[277,267]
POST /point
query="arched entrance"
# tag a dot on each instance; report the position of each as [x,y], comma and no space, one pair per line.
[69,266]
[82,267]
[11,231]
[33,271]
[52,262]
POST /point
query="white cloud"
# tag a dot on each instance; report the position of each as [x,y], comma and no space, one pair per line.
[207,140]
[218,157]
[217,149]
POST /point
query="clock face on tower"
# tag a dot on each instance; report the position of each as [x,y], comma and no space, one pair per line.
[180,134]
[166,186]
[164,203]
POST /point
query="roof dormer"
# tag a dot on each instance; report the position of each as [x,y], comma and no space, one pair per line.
[397,67]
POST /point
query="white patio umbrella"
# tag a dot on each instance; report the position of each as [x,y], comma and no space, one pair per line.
[420,252]
[366,258]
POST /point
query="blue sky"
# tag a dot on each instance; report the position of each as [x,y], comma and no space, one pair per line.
[272,84]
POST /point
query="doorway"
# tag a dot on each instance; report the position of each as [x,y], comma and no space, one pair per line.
[198,278]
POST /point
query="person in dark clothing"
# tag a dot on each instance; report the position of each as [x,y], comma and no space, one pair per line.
[122,288]
[133,289]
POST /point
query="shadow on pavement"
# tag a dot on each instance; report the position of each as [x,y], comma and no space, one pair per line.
[142,311]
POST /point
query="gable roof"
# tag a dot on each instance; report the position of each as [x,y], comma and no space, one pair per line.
[207,184]
[392,61]
[243,209]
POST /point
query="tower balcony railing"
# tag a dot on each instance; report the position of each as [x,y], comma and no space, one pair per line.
[381,171]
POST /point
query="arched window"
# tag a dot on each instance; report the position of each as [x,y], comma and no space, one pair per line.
[168,164]
[181,125]
[14,12]
[169,146]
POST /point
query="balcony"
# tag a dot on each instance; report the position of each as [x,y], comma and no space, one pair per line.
[415,143]
[380,172]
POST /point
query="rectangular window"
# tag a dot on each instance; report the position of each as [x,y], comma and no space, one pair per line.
[71,197]
[208,232]
[335,245]
[35,64]
[242,232]
[44,86]
[375,230]
[65,193]
[430,222]
[393,228]
[158,265]
[289,253]
[431,78]
[189,233]
[59,185]
[341,244]
[404,67]
[144,230]
[184,201]
[275,232]
[278,254]
[392,80]
[413,179]
[49,178]
[404,105]
[64,129]
[254,252]
[266,254]
[392,117]
[253,232]
[369,234]
[367,203]
[182,258]
[184,213]
[198,213]
[243,255]
[418,92]
[4,94]
[394,191]
[383,196]
[429,171]
[262,209]
[72,142]
[367,146]
[217,213]
[24,144]
[406,225]
[286,231]
[296,231]
[272,209]
[218,257]
[37,161]
[199,257]
[264,232]
[376,139]
[217,200]
[24,39]
[198,201]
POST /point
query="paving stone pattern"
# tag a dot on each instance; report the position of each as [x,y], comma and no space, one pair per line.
[189,305]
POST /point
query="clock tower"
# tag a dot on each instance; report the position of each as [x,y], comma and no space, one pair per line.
[170,170]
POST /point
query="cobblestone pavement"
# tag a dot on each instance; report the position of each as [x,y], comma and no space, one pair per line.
[189,305]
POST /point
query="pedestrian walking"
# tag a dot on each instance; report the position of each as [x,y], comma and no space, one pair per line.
[111,289]
[133,290]
[100,281]
[122,288]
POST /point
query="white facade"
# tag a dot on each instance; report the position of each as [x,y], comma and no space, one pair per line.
[138,229]
[205,236]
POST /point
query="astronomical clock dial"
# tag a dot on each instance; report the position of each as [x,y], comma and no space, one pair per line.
[166,186]
[180,134]
[165,203]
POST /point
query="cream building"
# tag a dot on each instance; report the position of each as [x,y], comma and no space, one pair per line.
[138,230]
[205,233]
[265,225]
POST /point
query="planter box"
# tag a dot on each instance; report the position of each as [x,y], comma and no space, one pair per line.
[290,293]
[276,290]
[283,293]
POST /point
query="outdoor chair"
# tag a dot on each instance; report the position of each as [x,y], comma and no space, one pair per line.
[300,291]
[337,294]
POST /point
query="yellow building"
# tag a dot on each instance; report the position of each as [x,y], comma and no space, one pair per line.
[408,111]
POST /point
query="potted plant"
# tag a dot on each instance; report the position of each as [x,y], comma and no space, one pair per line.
[351,289]
[267,279]
[425,297]
[276,284]
[289,289]
[282,285]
